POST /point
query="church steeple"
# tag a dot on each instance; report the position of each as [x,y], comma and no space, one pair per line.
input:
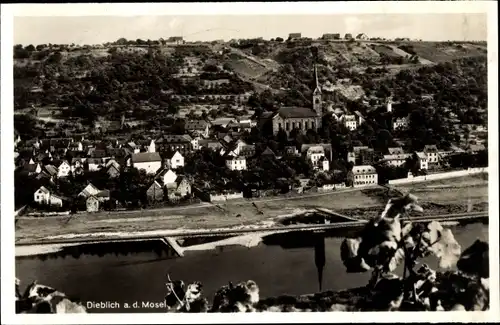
[317,101]
[317,89]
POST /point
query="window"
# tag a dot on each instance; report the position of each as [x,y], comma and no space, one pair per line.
[313,125]
[287,126]
[279,126]
[178,161]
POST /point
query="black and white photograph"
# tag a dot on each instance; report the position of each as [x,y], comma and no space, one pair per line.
[237,162]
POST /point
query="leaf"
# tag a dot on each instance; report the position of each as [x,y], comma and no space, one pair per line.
[349,254]
[475,259]
[441,242]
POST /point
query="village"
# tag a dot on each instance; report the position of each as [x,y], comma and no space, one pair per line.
[220,143]
[168,164]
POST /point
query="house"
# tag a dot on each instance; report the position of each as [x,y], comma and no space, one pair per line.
[348,36]
[350,122]
[362,36]
[247,151]
[155,192]
[268,153]
[363,175]
[89,190]
[166,176]
[396,160]
[353,155]
[174,160]
[195,142]
[331,36]
[94,164]
[178,189]
[422,160]
[400,123]
[173,142]
[327,147]
[236,163]
[64,169]
[290,151]
[233,148]
[396,151]
[475,148]
[92,204]
[133,147]
[78,165]
[175,40]
[324,164]
[32,169]
[211,144]
[198,127]
[148,161]
[314,154]
[113,171]
[432,154]
[44,196]
[294,36]
[51,170]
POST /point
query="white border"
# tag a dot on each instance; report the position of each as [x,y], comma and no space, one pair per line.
[7,229]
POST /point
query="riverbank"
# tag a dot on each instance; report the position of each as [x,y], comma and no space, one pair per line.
[462,195]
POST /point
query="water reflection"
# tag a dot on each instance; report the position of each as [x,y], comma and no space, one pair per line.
[320,258]
[102,249]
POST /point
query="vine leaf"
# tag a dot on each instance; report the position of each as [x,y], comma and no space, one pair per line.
[441,243]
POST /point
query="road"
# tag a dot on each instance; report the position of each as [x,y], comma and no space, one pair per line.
[207,233]
[225,203]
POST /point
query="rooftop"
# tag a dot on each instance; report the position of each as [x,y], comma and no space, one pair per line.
[145,157]
[296,112]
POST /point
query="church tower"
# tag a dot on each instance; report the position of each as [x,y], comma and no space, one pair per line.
[317,102]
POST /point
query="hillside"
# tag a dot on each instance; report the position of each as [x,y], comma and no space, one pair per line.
[139,80]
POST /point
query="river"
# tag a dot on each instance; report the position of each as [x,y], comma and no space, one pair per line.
[293,263]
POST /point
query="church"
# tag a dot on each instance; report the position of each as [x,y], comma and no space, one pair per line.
[303,118]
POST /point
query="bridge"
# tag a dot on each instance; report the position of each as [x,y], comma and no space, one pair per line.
[170,238]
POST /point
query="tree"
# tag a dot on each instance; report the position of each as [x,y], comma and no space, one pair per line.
[279,39]
[30,48]
[387,242]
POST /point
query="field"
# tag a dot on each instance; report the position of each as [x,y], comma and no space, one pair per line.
[463,193]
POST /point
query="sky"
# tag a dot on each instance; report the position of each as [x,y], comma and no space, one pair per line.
[101,29]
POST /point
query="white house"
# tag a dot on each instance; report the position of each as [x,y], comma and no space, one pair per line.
[324,164]
[94,164]
[350,122]
[396,160]
[148,161]
[364,175]
[167,176]
[195,143]
[422,160]
[400,123]
[314,154]
[64,169]
[237,163]
[432,154]
[175,160]
[44,197]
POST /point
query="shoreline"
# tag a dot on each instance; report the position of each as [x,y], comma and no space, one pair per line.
[251,238]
